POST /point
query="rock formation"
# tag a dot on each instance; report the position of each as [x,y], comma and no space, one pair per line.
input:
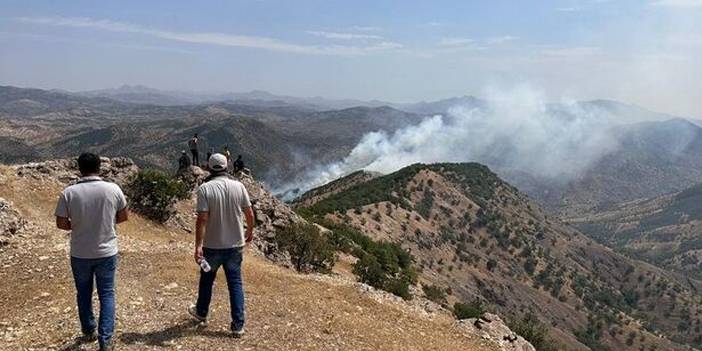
[491,327]
[117,169]
[11,222]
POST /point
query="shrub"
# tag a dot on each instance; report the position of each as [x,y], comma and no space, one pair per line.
[380,264]
[491,264]
[153,194]
[435,293]
[425,205]
[533,330]
[309,249]
[370,271]
[474,309]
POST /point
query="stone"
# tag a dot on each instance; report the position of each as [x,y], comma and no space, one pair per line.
[492,327]
[11,221]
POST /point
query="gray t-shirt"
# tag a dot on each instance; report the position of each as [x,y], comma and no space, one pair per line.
[92,205]
[224,199]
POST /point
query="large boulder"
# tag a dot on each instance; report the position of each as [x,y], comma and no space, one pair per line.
[192,176]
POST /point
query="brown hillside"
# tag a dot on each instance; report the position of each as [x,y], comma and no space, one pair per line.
[479,237]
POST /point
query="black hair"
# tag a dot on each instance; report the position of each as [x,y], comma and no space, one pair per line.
[88,163]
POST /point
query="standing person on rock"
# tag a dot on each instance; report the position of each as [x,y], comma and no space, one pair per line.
[209,154]
[193,145]
[222,203]
[91,209]
[238,164]
[183,161]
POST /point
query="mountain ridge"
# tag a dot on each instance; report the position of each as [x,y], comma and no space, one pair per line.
[479,237]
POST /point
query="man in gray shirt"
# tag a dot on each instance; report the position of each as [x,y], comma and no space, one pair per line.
[90,209]
[222,202]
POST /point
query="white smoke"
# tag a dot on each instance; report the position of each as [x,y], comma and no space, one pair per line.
[518,130]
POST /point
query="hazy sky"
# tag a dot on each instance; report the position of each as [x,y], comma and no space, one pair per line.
[641,52]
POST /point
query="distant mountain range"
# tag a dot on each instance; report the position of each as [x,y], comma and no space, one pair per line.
[282,137]
[144,95]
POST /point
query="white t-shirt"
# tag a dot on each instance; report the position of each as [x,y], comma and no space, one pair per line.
[224,199]
[92,205]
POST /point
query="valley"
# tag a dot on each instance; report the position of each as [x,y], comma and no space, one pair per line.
[605,258]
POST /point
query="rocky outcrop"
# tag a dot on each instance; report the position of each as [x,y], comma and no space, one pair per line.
[11,221]
[117,170]
[271,213]
[491,327]
[192,176]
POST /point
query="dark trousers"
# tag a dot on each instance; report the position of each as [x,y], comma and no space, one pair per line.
[231,260]
[102,271]
[196,158]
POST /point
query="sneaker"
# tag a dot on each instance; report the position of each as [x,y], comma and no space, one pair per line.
[90,335]
[192,310]
[237,332]
[108,346]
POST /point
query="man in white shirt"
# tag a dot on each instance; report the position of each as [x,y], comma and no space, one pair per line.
[222,203]
[90,209]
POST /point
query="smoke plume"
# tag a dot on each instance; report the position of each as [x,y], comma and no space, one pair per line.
[517,130]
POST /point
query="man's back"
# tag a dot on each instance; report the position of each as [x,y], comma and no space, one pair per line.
[224,199]
[192,143]
[92,206]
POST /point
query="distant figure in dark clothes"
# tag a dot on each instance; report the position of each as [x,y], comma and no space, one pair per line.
[183,161]
[209,154]
[192,143]
[238,164]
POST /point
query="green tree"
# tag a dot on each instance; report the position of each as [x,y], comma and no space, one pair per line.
[309,249]
[153,194]
[473,309]
[533,330]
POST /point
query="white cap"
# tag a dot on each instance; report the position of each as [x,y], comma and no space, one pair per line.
[217,162]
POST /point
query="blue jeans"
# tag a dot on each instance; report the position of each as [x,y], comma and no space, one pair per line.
[102,270]
[230,259]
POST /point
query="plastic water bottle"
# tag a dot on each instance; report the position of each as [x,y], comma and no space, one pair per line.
[204,265]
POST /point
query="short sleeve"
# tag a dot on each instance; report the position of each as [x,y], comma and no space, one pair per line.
[202,205]
[245,201]
[121,200]
[62,206]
